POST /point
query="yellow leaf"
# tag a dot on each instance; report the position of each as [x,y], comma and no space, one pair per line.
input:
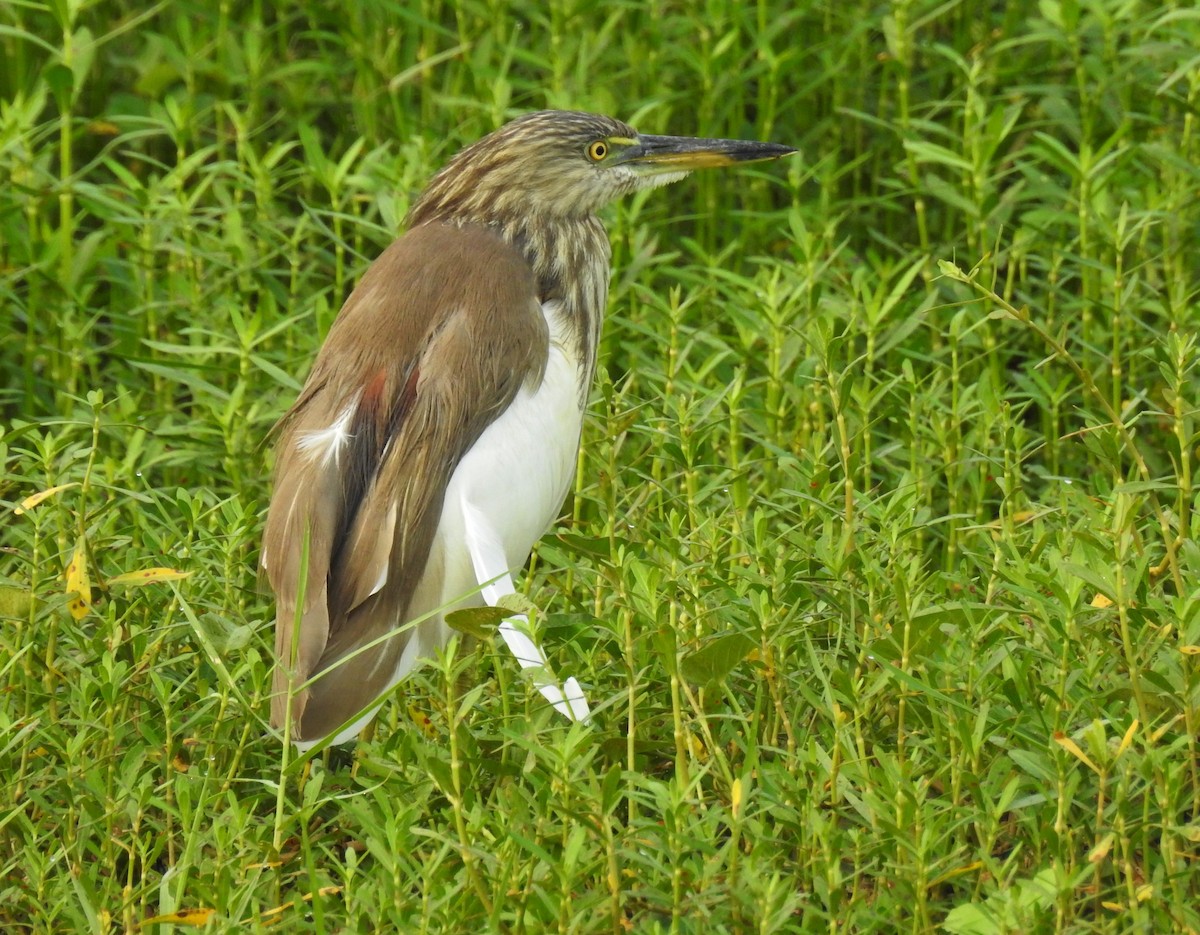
[1073,748]
[1021,516]
[1113,907]
[79,582]
[1144,892]
[735,798]
[1101,601]
[1158,734]
[1100,851]
[1128,738]
[957,872]
[1190,650]
[35,498]
[135,579]
[192,917]
[423,721]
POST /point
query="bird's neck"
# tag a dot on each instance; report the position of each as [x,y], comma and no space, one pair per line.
[570,260]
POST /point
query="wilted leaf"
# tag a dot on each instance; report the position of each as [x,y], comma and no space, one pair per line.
[1100,852]
[35,498]
[79,582]
[423,721]
[973,867]
[736,798]
[1128,738]
[1075,750]
[135,579]
[191,917]
[716,659]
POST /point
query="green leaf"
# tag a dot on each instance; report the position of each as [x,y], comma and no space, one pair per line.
[1090,576]
[970,919]
[479,622]
[439,772]
[951,271]
[61,81]
[224,635]
[15,602]
[574,623]
[610,789]
[595,547]
[83,46]
[516,604]
[716,659]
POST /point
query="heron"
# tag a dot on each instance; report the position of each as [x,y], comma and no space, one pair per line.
[436,436]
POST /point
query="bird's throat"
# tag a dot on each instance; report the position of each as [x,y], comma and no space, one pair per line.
[570,258]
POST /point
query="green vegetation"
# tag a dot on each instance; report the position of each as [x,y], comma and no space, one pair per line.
[881,572]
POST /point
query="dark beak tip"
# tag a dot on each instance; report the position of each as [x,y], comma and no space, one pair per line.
[778,150]
[762,152]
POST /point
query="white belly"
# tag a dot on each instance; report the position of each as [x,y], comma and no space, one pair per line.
[516,475]
[503,496]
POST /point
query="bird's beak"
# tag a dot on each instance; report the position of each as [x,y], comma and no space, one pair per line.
[685,153]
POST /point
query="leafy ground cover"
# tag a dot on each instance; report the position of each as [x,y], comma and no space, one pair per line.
[881,567]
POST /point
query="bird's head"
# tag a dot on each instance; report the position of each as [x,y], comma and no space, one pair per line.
[568,164]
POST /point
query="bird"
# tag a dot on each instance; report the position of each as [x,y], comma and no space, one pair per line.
[436,436]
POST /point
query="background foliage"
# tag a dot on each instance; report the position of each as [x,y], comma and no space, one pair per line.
[881,571]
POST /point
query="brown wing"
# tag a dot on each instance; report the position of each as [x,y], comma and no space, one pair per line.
[429,349]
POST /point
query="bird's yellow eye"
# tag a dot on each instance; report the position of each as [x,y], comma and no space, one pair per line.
[597,150]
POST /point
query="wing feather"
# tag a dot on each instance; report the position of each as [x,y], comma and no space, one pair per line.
[432,346]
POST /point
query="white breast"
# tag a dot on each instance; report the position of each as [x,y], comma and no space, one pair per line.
[514,478]
[521,468]
[503,496]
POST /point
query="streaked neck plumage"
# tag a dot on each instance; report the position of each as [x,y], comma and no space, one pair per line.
[569,253]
